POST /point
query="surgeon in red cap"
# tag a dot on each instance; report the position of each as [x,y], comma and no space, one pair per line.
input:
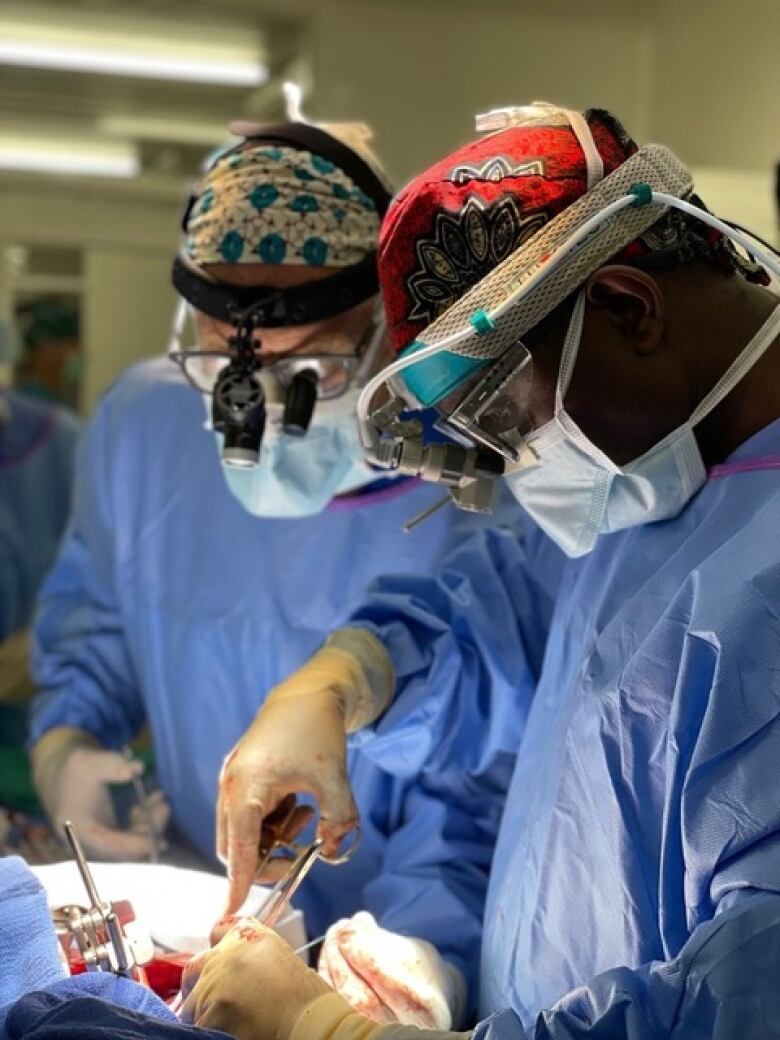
[631,635]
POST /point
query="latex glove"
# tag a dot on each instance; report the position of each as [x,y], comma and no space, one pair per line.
[16,685]
[390,977]
[71,773]
[296,744]
[254,987]
[251,985]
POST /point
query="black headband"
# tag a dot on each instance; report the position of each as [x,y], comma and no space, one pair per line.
[278,308]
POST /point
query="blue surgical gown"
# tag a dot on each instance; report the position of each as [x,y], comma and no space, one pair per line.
[171,603]
[635,888]
[37,450]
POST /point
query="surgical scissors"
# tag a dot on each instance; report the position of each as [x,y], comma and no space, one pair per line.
[276,901]
[276,841]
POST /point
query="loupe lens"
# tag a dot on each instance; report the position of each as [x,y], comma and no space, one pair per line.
[300,402]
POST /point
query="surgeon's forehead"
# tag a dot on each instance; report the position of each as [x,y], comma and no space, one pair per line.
[268,276]
[339,334]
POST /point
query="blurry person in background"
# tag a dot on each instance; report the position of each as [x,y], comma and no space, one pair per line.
[37,452]
[51,363]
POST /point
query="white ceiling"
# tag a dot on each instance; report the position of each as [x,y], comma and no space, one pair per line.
[170,123]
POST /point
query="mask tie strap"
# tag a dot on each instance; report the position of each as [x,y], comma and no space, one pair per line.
[738,369]
[571,346]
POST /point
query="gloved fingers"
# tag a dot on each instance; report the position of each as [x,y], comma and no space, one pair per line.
[111,767]
[156,806]
[231,794]
[223,926]
[191,974]
[338,811]
[244,826]
[155,810]
[109,844]
[357,991]
[232,927]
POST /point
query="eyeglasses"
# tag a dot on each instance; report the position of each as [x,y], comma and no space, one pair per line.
[334,372]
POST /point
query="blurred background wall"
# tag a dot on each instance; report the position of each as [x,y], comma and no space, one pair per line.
[702,77]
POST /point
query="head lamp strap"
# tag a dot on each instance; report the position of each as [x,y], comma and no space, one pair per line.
[278,308]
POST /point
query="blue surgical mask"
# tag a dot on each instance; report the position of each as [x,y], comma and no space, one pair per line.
[574,492]
[298,476]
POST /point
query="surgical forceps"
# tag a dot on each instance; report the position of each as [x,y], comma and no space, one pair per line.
[142,798]
[276,841]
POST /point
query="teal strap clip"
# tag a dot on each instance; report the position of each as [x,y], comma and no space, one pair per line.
[482,322]
[643,194]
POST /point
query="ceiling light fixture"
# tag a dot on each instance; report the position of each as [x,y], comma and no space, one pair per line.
[65,156]
[150,48]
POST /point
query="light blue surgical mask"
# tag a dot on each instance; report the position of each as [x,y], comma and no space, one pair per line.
[574,492]
[298,476]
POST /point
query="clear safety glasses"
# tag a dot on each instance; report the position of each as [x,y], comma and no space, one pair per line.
[333,372]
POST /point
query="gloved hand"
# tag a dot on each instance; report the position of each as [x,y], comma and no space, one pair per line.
[253,986]
[16,685]
[296,744]
[389,977]
[71,773]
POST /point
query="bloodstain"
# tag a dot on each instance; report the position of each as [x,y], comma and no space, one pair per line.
[249,934]
[223,925]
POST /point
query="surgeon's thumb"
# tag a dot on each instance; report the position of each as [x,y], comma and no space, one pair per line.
[111,767]
[106,843]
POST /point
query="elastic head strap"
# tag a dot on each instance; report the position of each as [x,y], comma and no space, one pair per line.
[278,308]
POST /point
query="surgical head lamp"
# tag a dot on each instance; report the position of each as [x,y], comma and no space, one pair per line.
[238,401]
[481,334]
[238,380]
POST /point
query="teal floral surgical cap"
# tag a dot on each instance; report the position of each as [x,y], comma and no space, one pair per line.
[278,205]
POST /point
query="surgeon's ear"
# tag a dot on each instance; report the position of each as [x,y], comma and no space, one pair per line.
[633,302]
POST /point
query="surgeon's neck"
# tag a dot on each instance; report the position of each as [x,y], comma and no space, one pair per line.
[726,315]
